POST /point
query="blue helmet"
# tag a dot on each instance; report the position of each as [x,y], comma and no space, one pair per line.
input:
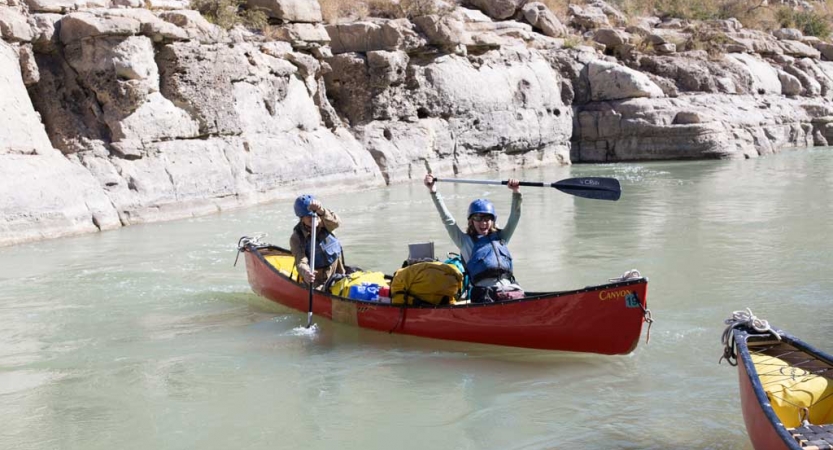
[302,205]
[482,206]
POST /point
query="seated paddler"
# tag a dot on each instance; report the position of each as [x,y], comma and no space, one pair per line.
[483,246]
[328,260]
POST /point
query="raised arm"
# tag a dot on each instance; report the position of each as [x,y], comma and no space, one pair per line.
[454,232]
[514,212]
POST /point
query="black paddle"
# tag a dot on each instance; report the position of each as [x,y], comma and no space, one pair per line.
[312,268]
[599,188]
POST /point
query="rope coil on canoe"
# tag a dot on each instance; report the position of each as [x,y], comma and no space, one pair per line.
[649,320]
[628,275]
[245,241]
[741,319]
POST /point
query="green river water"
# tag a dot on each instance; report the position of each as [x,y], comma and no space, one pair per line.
[148,338]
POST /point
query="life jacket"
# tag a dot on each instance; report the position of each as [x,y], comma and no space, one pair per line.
[428,282]
[328,247]
[490,258]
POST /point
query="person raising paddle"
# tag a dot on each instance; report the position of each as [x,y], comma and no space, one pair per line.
[483,246]
[327,259]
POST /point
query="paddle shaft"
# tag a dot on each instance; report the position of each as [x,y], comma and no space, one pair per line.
[599,188]
[496,182]
[313,232]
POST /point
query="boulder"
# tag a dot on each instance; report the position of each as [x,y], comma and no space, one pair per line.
[763,76]
[497,9]
[541,18]
[588,17]
[51,6]
[446,32]
[43,30]
[13,25]
[790,85]
[611,81]
[302,34]
[307,11]
[799,49]
[389,35]
[82,25]
[195,26]
[788,34]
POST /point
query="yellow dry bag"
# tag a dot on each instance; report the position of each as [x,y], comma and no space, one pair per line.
[431,282]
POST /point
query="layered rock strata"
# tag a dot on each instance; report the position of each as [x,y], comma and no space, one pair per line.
[122,112]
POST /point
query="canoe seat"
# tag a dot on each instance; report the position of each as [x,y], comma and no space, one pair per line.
[285,264]
[791,390]
[814,437]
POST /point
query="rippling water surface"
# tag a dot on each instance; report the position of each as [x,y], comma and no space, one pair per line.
[148,338]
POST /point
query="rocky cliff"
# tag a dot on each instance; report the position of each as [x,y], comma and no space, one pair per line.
[117,112]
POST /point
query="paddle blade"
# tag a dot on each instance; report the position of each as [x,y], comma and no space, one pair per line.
[599,188]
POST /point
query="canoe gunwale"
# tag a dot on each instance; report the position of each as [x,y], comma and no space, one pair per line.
[256,251]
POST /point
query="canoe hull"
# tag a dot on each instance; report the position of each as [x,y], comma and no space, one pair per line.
[760,427]
[604,319]
[764,427]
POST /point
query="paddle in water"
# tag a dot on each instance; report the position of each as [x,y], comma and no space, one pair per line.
[312,267]
[598,188]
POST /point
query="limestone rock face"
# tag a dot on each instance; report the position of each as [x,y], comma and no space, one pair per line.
[459,116]
[21,131]
[696,72]
[44,194]
[181,129]
[701,127]
[48,196]
[117,112]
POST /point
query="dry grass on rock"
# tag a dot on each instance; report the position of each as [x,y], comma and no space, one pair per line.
[335,11]
[228,13]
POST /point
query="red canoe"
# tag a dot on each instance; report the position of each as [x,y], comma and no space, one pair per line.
[786,389]
[603,319]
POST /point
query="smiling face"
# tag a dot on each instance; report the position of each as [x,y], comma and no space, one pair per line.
[482,223]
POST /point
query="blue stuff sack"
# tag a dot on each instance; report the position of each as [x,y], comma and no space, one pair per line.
[364,291]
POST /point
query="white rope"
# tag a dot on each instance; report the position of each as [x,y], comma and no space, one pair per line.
[742,319]
[630,274]
[245,241]
[750,320]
